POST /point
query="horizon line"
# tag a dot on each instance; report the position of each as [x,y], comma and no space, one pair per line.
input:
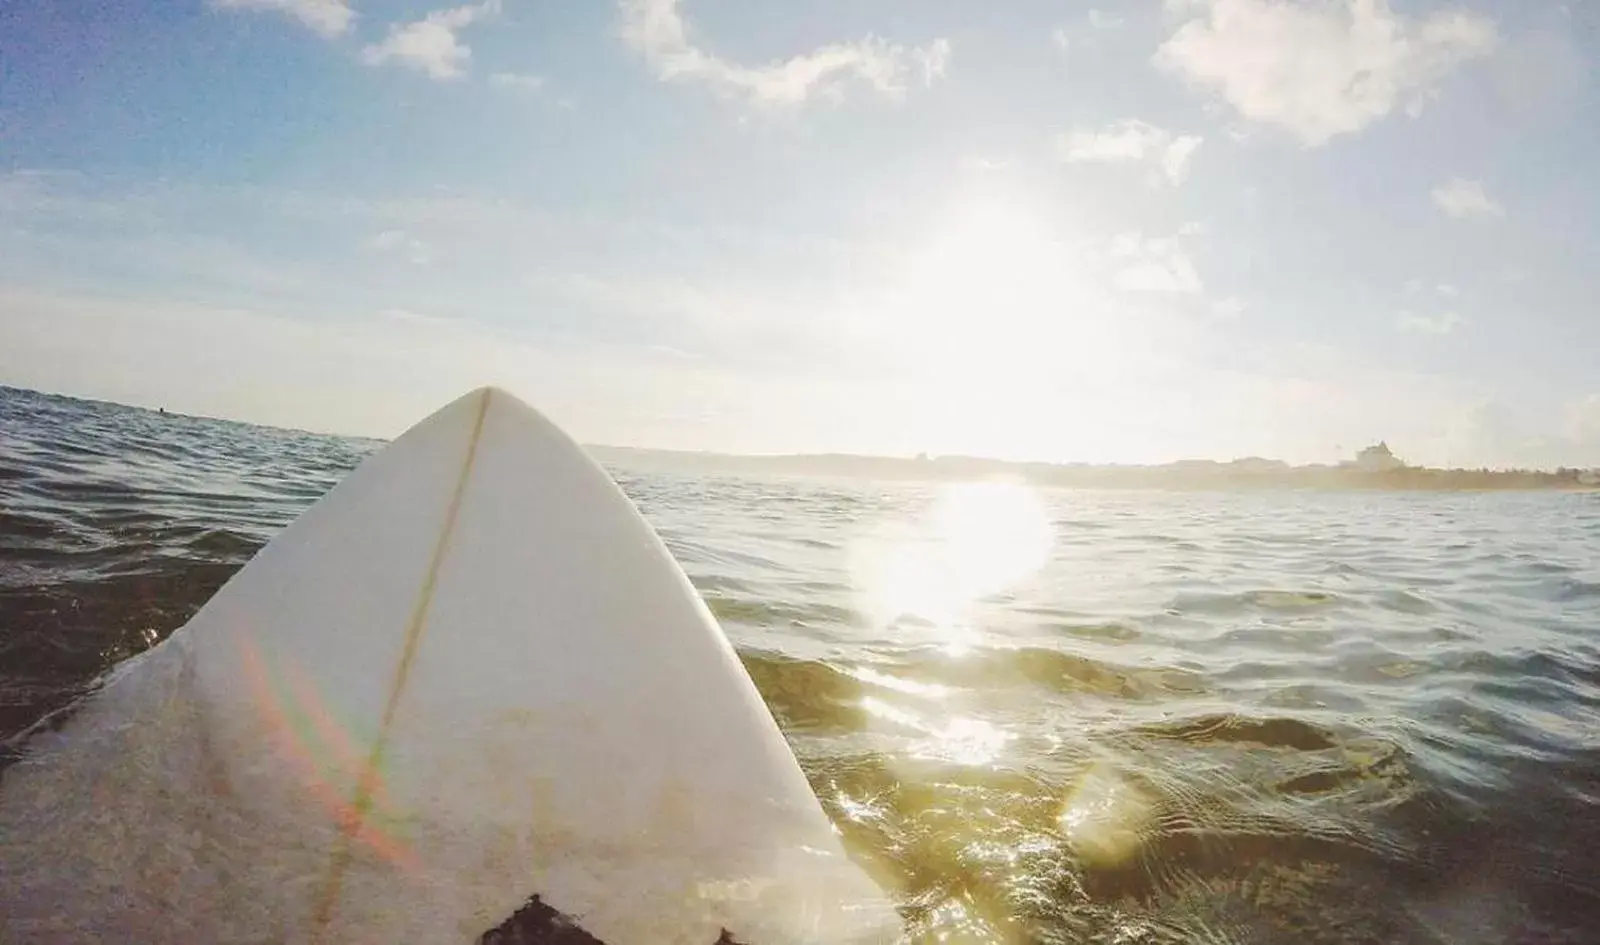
[919,459]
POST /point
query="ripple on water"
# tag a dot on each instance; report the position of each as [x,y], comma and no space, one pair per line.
[1256,718]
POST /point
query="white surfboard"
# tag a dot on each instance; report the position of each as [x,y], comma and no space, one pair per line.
[470,675]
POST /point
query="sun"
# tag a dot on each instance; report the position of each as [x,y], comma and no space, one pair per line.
[993,322]
[988,276]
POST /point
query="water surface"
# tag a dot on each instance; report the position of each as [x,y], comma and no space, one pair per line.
[1041,716]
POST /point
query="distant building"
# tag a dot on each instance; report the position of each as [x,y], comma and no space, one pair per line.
[1378,458]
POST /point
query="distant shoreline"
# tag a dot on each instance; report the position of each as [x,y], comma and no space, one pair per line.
[1249,473]
[1186,474]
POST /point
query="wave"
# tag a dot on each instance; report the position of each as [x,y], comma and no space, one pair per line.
[1251,601]
[1208,718]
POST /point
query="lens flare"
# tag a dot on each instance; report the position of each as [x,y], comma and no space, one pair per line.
[327,757]
[1104,818]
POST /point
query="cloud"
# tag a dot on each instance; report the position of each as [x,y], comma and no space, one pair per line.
[1133,142]
[934,58]
[430,44]
[1441,324]
[1153,264]
[775,314]
[656,30]
[1099,21]
[518,81]
[1320,69]
[1462,198]
[327,18]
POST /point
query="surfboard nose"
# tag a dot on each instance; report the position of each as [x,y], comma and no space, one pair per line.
[468,675]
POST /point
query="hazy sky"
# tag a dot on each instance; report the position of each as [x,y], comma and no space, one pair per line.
[1027,229]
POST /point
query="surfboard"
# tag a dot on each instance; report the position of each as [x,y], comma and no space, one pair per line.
[467,688]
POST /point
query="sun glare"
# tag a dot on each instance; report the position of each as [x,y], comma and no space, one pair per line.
[921,581]
[993,318]
[989,256]
[977,539]
[978,286]
[959,740]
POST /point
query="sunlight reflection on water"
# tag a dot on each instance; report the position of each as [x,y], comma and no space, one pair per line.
[977,539]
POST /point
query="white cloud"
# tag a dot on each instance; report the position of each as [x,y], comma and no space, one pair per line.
[519,81]
[326,17]
[1175,160]
[656,30]
[1323,68]
[430,44]
[935,59]
[1133,142]
[1463,198]
[1099,21]
[1441,324]
[1153,264]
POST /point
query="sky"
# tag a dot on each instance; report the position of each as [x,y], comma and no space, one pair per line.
[1034,230]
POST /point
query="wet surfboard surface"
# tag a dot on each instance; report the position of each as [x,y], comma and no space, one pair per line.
[468,696]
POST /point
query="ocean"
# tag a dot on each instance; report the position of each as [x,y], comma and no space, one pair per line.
[1049,715]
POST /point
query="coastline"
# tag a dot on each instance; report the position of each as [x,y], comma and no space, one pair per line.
[1248,473]
[1253,473]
